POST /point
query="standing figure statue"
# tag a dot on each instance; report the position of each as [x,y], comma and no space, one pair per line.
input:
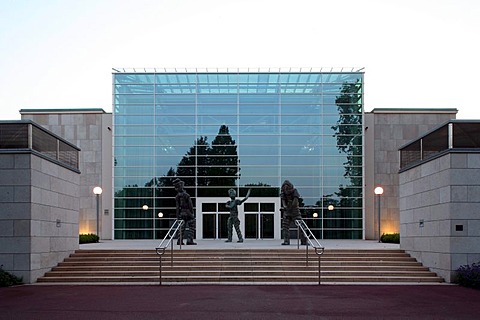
[233,220]
[290,209]
[184,212]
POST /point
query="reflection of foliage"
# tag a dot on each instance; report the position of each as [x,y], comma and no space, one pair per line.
[194,163]
[348,132]
[207,166]
[223,165]
[263,190]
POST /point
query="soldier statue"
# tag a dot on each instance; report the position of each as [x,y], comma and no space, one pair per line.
[233,220]
[184,212]
[291,212]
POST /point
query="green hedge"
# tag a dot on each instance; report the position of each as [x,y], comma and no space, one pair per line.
[390,238]
[468,276]
[88,238]
[7,279]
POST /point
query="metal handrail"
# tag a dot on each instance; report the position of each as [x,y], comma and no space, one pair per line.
[313,242]
[175,229]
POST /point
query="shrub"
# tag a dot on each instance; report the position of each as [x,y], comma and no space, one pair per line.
[390,238]
[7,279]
[88,238]
[468,276]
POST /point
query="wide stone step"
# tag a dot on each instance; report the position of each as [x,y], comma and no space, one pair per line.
[240,273]
[242,279]
[239,266]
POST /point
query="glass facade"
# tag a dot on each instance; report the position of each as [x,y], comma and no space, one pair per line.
[246,130]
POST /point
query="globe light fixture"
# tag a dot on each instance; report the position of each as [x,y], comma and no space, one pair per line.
[97,191]
[378,191]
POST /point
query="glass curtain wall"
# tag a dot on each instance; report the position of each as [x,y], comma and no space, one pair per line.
[250,130]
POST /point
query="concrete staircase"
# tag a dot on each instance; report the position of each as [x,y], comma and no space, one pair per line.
[240,266]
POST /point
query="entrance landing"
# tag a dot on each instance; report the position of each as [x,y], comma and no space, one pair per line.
[247,244]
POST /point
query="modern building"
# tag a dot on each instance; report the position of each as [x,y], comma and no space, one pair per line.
[241,129]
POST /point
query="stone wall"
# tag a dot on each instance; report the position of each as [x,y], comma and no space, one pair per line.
[386,131]
[38,214]
[90,130]
[440,212]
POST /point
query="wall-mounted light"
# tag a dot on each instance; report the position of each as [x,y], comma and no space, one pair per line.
[160,214]
[315,215]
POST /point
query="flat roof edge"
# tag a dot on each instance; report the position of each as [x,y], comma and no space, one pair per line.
[414,110]
[243,70]
[72,110]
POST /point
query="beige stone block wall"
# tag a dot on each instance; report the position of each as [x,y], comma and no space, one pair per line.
[440,212]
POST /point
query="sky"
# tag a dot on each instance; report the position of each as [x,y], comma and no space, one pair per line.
[415,53]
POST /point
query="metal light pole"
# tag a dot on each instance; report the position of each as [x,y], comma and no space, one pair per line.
[98,191]
[378,191]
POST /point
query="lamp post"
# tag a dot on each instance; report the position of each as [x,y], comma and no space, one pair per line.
[98,191]
[378,191]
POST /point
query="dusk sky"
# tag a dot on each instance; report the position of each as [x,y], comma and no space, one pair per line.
[416,53]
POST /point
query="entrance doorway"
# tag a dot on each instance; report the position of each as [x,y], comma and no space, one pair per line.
[259,218]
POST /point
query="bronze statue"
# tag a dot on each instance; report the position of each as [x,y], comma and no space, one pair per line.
[291,212]
[184,212]
[233,220]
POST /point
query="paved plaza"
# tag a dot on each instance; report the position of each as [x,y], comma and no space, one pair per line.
[441,301]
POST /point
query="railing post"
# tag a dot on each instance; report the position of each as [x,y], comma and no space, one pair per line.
[171,253]
[319,270]
[298,236]
[306,251]
[160,270]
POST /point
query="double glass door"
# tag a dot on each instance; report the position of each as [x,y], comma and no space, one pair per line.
[259,218]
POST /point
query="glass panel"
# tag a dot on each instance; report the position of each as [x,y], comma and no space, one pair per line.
[164,109]
[302,98]
[250,207]
[259,160]
[217,98]
[269,140]
[133,98]
[217,109]
[244,150]
[263,120]
[209,226]
[209,207]
[217,119]
[222,222]
[134,78]
[44,143]
[134,88]
[259,109]
[178,120]
[175,98]
[14,135]
[466,135]
[251,226]
[259,98]
[267,226]
[267,207]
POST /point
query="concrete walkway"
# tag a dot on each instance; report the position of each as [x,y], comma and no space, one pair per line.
[248,244]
